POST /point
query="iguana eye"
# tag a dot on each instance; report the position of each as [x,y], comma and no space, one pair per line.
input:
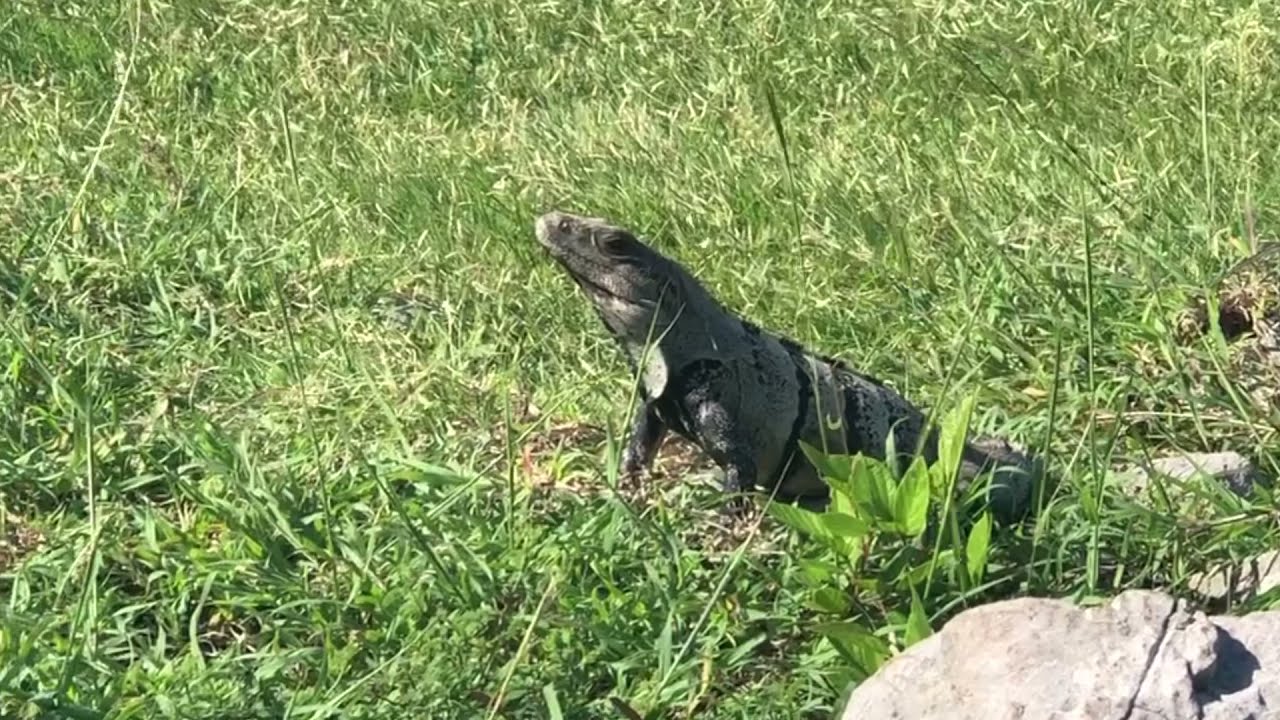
[564,225]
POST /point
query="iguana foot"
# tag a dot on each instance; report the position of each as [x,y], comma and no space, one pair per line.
[632,484]
[736,512]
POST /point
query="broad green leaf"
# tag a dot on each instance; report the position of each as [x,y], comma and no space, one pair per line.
[869,585]
[873,490]
[853,550]
[842,499]
[841,496]
[976,547]
[895,617]
[917,622]
[816,572]
[797,518]
[953,434]
[830,600]
[864,652]
[911,501]
[835,467]
[553,702]
[845,526]
[809,523]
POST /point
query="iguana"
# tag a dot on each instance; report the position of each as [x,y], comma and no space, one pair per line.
[746,396]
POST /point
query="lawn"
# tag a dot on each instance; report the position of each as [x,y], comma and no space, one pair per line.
[297,420]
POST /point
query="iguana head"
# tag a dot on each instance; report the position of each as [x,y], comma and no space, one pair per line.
[636,290]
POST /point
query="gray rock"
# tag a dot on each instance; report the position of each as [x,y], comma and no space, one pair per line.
[1236,581]
[1142,655]
[1234,470]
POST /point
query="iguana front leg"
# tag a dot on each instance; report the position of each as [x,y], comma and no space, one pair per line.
[739,476]
[647,431]
[723,441]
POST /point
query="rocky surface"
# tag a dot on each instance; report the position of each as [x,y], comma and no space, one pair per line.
[1234,582]
[1144,655]
[1232,469]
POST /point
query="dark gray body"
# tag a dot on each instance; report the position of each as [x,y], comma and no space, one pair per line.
[746,396]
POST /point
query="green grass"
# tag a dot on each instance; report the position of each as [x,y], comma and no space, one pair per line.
[232,487]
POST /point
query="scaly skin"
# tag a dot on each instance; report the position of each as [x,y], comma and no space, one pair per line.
[746,396]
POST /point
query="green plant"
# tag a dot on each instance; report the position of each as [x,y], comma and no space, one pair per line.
[882,559]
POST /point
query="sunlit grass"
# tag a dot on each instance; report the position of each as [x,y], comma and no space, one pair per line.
[269,379]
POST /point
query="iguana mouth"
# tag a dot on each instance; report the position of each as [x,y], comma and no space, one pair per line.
[588,285]
[592,287]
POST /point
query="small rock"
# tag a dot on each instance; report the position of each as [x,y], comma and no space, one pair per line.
[1233,582]
[1234,470]
[1142,655]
